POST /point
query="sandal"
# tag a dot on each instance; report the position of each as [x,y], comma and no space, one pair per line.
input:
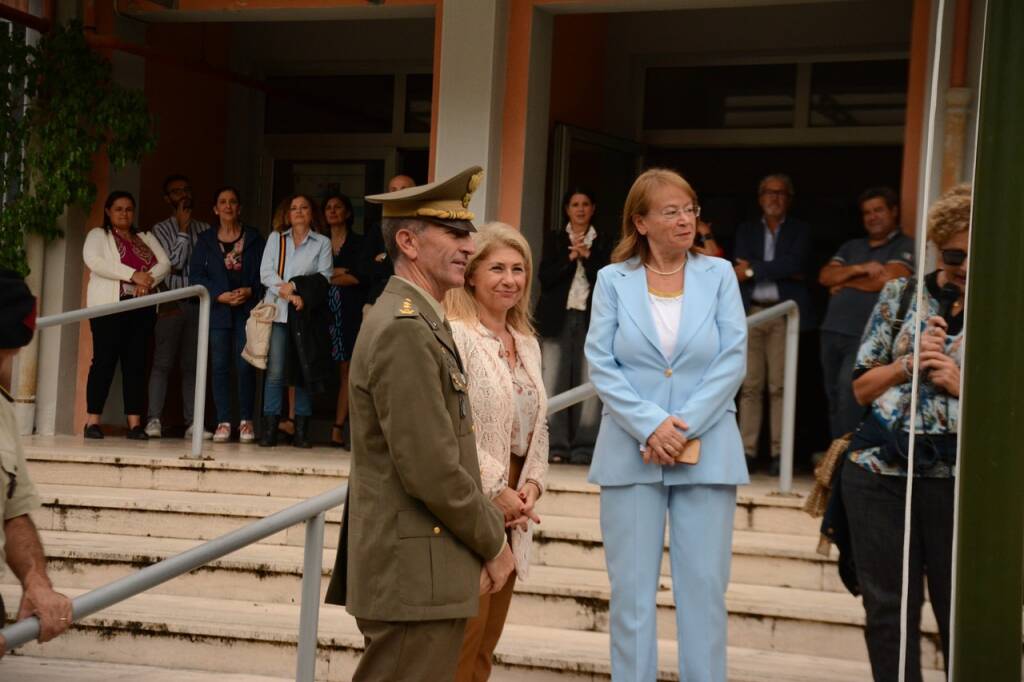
[282,423]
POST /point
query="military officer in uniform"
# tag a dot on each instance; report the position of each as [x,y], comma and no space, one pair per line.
[420,541]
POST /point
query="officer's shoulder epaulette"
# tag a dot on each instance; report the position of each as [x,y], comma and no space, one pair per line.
[407,309]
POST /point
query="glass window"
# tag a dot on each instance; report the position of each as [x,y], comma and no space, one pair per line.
[419,95]
[870,93]
[331,104]
[743,96]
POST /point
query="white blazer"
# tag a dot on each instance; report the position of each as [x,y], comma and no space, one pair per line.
[492,399]
[639,388]
[106,271]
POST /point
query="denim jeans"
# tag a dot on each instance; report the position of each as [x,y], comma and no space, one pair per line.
[226,349]
[277,367]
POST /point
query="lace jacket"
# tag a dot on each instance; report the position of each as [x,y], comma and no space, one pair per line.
[491,396]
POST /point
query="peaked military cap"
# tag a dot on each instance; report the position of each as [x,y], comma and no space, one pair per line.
[445,202]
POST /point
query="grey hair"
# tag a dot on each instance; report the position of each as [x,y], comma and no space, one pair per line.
[389,228]
[781,177]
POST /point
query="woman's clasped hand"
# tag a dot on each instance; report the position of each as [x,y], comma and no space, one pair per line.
[666,443]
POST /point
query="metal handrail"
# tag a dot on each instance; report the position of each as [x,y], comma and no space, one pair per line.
[202,347]
[311,511]
[791,312]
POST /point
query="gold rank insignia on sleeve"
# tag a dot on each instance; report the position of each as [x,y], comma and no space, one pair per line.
[407,309]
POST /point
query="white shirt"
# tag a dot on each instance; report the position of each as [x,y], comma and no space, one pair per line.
[667,311]
[579,290]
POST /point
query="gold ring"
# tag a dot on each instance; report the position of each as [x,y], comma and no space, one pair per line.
[64,619]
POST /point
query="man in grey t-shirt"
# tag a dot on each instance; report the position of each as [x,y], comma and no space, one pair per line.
[854,277]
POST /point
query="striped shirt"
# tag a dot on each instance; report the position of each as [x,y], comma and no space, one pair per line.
[178,246]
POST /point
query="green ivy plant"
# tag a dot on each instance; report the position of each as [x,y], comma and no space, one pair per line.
[47,148]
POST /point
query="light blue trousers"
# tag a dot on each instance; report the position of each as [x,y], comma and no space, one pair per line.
[700,545]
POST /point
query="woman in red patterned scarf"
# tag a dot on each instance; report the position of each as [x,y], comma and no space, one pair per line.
[123,263]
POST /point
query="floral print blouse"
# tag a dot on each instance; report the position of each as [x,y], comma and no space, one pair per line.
[938,412]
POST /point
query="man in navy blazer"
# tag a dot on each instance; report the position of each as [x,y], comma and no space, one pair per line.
[770,260]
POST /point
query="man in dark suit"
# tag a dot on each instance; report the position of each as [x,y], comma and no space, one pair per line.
[420,540]
[375,268]
[771,256]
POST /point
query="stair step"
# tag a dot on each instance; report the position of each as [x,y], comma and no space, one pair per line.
[773,618]
[165,513]
[287,472]
[247,636]
[34,669]
[158,465]
[759,557]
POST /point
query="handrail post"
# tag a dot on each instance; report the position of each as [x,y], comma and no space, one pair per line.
[202,358]
[309,613]
[789,400]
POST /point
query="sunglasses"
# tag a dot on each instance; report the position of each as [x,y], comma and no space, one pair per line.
[954,256]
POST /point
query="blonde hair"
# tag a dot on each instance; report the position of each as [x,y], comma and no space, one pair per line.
[638,203]
[461,304]
[279,220]
[950,214]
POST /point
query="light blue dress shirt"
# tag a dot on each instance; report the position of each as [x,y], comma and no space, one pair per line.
[312,255]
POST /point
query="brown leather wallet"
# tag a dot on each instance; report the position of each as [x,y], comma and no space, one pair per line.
[690,453]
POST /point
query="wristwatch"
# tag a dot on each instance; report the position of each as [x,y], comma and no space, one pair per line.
[749,272]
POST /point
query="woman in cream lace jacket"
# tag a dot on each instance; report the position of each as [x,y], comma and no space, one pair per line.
[501,356]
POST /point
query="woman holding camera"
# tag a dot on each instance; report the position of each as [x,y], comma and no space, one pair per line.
[875,477]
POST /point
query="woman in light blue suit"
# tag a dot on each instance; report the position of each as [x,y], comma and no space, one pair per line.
[667,353]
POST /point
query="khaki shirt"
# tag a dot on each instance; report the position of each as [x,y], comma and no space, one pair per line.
[17,493]
[418,524]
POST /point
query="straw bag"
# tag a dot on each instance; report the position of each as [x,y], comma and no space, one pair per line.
[817,500]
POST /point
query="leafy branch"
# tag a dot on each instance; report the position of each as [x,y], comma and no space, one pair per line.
[48,148]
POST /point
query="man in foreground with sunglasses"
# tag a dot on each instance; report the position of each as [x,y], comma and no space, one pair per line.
[854,277]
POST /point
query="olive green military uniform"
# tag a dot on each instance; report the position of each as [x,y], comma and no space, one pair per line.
[17,493]
[418,524]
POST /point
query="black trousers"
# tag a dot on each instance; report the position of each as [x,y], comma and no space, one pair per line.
[874,505]
[838,355]
[121,337]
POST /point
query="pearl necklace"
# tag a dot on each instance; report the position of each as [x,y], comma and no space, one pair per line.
[666,274]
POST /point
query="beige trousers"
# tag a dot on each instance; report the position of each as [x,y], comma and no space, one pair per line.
[484,631]
[766,356]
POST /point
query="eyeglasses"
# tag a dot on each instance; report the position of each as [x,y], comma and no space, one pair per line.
[673,213]
[774,193]
[954,256]
[175,191]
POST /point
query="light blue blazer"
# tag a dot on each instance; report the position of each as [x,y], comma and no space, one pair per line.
[640,389]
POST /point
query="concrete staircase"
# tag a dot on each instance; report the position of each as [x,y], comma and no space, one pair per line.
[113,507]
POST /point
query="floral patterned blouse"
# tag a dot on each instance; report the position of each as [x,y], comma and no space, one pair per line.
[938,412]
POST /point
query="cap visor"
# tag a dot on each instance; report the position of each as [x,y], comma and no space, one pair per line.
[461,225]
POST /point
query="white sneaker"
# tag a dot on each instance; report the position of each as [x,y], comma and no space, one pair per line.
[153,429]
[223,433]
[246,432]
[206,434]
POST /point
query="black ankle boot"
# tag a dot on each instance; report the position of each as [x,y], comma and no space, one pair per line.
[301,438]
[268,439]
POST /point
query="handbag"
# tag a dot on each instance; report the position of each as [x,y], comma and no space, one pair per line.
[261,323]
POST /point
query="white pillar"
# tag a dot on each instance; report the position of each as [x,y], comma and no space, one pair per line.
[472,84]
